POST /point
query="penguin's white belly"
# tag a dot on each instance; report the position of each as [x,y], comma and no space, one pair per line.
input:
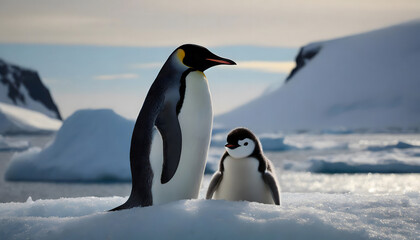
[195,119]
[242,181]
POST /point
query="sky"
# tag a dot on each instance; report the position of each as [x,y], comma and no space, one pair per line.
[283,23]
[105,54]
[86,76]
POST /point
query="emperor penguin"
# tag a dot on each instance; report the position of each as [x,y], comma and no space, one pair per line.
[244,174]
[172,133]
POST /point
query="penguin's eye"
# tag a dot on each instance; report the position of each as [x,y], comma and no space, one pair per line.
[246,144]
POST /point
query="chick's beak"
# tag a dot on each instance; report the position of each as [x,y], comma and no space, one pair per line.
[231,146]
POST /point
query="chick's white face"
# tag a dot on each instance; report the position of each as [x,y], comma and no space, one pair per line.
[244,148]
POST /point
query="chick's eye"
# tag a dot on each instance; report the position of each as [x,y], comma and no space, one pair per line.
[246,144]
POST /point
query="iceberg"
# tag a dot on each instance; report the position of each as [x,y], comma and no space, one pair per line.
[92,145]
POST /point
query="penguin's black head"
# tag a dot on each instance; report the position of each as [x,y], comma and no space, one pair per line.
[200,58]
[241,142]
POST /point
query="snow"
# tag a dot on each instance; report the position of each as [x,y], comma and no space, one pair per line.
[16,120]
[280,142]
[324,153]
[92,145]
[362,184]
[9,73]
[389,166]
[271,142]
[364,156]
[367,81]
[302,216]
[362,82]
[34,105]
[8,145]
[398,145]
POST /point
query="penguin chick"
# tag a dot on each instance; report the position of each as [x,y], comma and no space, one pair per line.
[244,172]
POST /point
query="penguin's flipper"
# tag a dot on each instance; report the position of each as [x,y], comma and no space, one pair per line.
[272,184]
[168,126]
[215,180]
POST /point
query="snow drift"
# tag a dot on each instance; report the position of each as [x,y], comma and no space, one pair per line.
[365,81]
[302,216]
[17,120]
[92,145]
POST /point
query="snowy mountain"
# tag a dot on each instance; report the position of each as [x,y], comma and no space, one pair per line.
[365,81]
[17,120]
[24,88]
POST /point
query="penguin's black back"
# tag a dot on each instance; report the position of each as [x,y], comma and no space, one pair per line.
[141,169]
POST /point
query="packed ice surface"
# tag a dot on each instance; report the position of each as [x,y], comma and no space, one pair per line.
[364,81]
[302,216]
[361,153]
[17,120]
[372,183]
[314,206]
[367,162]
[337,153]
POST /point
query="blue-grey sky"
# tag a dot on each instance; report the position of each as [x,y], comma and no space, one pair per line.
[94,53]
[119,77]
[216,22]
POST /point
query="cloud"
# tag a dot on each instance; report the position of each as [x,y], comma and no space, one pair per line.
[126,104]
[267,66]
[261,66]
[215,23]
[116,76]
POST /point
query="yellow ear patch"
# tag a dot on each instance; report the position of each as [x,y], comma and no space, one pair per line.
[180,54]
